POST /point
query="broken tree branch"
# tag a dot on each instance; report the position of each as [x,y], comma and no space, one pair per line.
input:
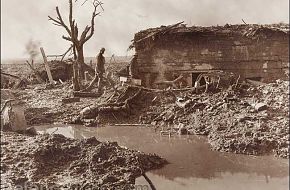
[61,55]
[163,30]
[59,21]
[149,181]
[69,49]
[96,3]
[37,74]
[67,38]
[244,21]
[9,75]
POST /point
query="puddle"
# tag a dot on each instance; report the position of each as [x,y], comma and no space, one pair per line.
[193,165]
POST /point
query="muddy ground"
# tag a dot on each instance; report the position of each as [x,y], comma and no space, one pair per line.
[63,163]
[45,104]
[249,119]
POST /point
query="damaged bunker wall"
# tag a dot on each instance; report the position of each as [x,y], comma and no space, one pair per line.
[253,52]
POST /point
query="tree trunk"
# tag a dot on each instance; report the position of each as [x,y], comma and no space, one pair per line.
[76,85]
[81,61]
[75,80]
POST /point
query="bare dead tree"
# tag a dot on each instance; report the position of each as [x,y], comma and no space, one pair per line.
[73,36]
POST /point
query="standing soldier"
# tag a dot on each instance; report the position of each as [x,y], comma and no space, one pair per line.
[99,71]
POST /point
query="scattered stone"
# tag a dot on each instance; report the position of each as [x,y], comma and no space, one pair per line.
[261,106]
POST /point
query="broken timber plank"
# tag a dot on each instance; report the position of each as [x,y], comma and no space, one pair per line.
[163,30]
[46,66]
[70,100]
[86,94]
[9,75]
[255,83]
[164,90]
[128,124]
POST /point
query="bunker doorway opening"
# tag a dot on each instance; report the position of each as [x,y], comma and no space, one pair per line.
[195,76]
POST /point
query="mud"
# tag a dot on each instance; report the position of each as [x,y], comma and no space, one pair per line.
[63,163]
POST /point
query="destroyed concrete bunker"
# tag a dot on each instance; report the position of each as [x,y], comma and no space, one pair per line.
[256,52]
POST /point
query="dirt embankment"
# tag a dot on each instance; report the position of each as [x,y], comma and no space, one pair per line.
[60,162]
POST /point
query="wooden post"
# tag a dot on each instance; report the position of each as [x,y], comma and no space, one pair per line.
[46,66]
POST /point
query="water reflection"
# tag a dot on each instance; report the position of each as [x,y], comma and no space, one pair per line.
[227,181]
[192,162]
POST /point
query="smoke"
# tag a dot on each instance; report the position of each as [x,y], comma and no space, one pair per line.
[32,48]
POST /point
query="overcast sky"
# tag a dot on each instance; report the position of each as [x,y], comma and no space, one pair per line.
[115,28]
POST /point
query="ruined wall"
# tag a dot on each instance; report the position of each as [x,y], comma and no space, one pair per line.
[263,56]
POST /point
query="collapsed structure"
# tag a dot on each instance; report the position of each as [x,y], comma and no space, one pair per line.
[256,52]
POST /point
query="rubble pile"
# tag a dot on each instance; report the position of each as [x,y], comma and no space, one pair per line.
[248,120]
[60,162]
[59,70]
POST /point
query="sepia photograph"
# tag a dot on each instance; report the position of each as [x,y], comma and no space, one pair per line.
[144,95]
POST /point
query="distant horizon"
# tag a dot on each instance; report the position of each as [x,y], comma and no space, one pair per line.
[40,58]
[19,59]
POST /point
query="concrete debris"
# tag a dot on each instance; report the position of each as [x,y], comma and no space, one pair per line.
[228,119]
[12,113]
[13,117]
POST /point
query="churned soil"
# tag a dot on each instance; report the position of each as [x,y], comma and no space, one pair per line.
[63,163]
